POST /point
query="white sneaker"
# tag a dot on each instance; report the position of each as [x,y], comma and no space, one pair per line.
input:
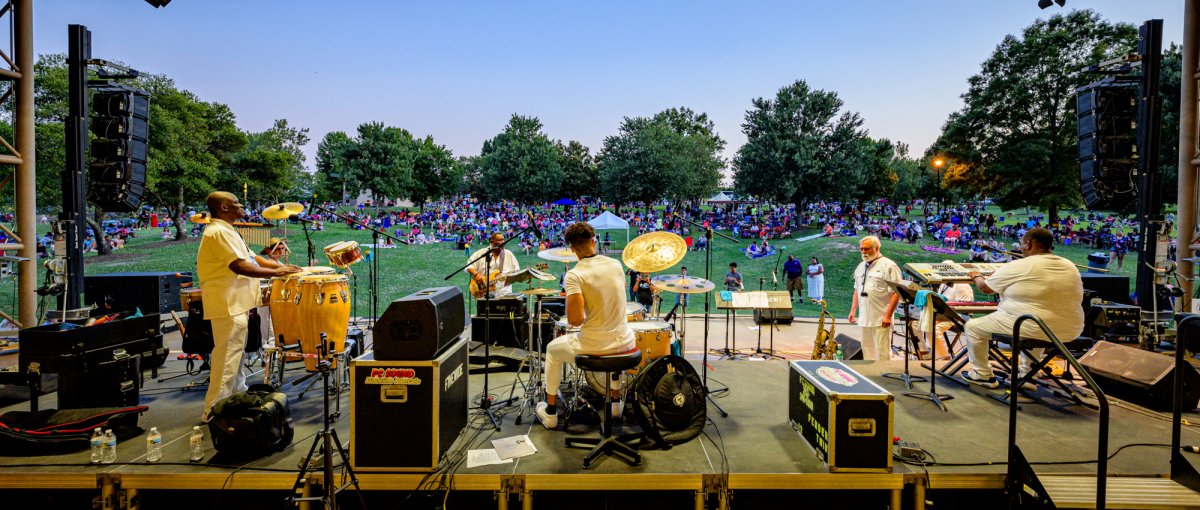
[550,421]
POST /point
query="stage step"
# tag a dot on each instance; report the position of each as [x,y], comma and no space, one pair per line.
[1079,491]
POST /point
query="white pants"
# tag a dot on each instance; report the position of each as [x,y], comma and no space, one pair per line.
[979,334]
[816,287]
[562,350]
[225,375]
[877,343]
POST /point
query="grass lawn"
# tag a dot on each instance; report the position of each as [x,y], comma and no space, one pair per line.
[406,269]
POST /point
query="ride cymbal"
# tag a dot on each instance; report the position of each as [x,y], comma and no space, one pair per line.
[558,255]
[680,284]
[282,211]
[653,252]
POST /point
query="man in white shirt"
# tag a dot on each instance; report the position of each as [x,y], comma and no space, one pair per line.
[502,262]
[228,274]
[874,301]
[596,305]
[1042,284]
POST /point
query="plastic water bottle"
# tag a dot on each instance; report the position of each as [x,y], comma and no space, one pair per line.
[110,447]
[153,445]
[197,444]
[839,356]
[97,446]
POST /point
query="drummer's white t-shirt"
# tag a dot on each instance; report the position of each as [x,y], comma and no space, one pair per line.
[602,282]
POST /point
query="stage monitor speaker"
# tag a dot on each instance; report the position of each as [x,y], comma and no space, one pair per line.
[405,415]
[773,316]
[851,348]
[1109,287]
[421,325]
[1139,376]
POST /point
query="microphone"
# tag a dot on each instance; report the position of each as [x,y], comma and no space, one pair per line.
[533,224]
[296,217]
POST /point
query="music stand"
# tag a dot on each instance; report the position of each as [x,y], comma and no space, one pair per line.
[774,302]
[940,308]
[907,295]
[730,328]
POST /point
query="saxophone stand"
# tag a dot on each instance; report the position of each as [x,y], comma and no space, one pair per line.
[327,441]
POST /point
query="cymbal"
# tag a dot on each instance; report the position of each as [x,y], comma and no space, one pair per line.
[653,252]
[680,284]
[200,217]
[282,211]
[539,292]
[558,255]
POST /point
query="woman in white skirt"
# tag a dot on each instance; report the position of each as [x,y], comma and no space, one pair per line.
[816,280]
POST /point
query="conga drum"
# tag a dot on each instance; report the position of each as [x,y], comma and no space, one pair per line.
[322,305]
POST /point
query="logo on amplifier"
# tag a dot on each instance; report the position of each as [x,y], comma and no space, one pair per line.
[392,376]
[452,377]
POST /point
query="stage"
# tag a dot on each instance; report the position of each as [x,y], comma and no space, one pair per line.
[752,453]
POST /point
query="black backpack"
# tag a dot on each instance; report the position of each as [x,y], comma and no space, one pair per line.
[253,422]
[670,401]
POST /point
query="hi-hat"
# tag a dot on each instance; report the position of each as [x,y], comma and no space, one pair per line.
[680,284]
[653,252]
[538,292]
[558,255]
[200,217]
[282,211]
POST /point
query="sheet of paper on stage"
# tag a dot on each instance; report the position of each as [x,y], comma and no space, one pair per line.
[513,447]
[484,458]
[756,299]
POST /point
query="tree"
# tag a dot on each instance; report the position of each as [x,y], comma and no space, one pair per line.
[1017,129]
[674,154]
[333,167]
[877,177]
[435,172]
[580,175]
[800,146]
[381,160]
[697,159]
[520,163]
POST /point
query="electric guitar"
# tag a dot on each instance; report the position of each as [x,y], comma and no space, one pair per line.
[479,289]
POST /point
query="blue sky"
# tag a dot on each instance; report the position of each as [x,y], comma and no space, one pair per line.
[458,70]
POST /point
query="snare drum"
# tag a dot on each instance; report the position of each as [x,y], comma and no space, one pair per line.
[344,254]
[313,304]
[634,312]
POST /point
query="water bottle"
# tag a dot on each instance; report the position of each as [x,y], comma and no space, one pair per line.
[97,446]
[153,445]
[839,356]
[110,447]
[197,444]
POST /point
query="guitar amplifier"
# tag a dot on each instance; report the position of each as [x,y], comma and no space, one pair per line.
[503,306]
[404,415]
[846,418]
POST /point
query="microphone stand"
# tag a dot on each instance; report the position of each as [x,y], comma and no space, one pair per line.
[708,248]
[311,254]
[373,278]
[485,404]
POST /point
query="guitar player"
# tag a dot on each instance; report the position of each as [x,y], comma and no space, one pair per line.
[502,261]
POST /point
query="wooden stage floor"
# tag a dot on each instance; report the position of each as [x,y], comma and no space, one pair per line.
[753,449]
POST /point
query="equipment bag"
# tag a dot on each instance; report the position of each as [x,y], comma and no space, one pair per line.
[669,401]
[253,422]
[51,432]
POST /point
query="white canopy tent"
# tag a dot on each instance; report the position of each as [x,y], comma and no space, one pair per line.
[609,221]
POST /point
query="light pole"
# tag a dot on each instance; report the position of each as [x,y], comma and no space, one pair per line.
[938,163]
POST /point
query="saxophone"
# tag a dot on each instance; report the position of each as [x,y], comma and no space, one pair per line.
[823,345]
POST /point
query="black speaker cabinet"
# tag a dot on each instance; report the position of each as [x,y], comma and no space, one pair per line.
[773,316]
[404,415]
[152,292]
[421,325]
[1139,376]
[851,348]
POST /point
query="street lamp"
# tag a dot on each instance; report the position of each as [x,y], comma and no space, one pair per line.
[938,163]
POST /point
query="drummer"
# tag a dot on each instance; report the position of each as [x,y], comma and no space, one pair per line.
[229,288]
[596,304]
[502,260]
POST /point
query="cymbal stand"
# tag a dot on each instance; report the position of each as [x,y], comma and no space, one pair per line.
[533,389]
[485,403]
[708,247]
[327,441]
